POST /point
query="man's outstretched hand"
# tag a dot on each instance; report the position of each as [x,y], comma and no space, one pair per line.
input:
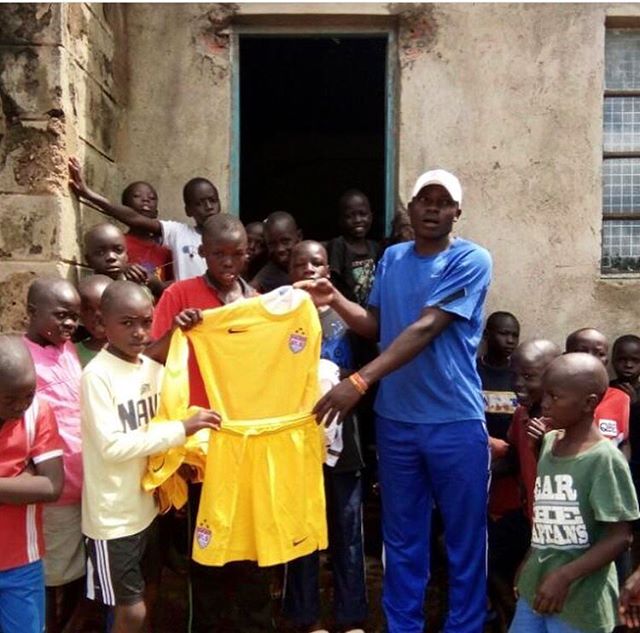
[321,290]
[337,402]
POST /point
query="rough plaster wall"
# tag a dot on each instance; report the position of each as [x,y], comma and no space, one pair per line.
[178,120]
[32,147]
[57,91]
[510,98]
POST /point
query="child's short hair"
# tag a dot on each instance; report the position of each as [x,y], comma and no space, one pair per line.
[127,192]
[222,223]
[187,190]
[623,340]
[572,339]
[279,217]
[15,359]
[116,291]
[89,234]
[578,370]
[496,316]
[348,195]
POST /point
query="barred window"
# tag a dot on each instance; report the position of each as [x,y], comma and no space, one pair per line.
[621,164]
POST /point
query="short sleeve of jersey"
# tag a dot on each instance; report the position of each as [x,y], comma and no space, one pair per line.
[46,443]
[170,230]
[463,284]
[163,314]
[612,495]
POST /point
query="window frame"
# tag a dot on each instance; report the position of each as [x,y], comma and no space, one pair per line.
[608,155]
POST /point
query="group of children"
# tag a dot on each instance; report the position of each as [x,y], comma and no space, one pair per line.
[78,390]
[548,493]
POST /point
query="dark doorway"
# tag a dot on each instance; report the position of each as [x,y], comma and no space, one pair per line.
[312,124]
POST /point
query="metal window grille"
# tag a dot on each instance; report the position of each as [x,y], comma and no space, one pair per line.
[621,165]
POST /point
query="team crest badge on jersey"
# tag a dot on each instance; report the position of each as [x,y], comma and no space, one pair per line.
[297,341]
[203,535]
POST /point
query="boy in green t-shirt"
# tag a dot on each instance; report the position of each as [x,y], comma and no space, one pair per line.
[584,500]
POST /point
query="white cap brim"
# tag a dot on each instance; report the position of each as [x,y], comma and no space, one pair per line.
[439,177]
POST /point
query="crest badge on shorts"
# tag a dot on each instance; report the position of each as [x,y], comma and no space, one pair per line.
[203,535]
[297,341]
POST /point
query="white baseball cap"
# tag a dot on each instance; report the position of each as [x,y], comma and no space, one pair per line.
[439,177]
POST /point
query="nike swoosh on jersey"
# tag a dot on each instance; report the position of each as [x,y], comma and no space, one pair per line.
[233,330]
[300,540]
[542,559]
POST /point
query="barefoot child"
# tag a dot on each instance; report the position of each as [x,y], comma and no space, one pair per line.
[119,392]
[584,501]
[31,473]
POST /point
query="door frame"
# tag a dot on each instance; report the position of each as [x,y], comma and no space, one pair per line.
[391,78]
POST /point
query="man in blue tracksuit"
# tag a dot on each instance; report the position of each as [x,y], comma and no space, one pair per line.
[426,309]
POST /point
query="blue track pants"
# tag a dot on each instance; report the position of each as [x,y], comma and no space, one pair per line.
[419,465]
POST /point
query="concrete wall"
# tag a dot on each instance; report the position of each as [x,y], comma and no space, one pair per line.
[510,98]
[507,96]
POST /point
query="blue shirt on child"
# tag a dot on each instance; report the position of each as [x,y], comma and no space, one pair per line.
[441,384]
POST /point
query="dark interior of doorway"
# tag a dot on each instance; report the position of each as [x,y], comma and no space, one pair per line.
[312,124]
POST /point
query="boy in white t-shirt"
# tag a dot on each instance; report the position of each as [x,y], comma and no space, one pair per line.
[119,396]
[201,201]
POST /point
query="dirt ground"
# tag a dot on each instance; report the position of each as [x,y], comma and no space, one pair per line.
[172,605]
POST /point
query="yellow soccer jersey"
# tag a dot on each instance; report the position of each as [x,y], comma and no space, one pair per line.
[256,364]
[263,476]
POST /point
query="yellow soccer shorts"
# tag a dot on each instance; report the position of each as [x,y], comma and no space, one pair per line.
[263,493]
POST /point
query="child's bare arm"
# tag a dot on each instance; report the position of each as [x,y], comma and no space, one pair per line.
[185,320]
[629,608]
[536,429]
[554,587]
[40,483]
[120,212]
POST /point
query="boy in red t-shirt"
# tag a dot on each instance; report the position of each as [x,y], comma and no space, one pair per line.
[224,247]
[144,247]
[612,414]
[140,214]
[528,363]
[31,473]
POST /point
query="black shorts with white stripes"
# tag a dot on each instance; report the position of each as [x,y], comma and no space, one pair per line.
[116,567]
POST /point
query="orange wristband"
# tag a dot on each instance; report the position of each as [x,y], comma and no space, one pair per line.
[359,383]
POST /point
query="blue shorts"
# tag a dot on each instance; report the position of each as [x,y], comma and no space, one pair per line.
[526,620]
[22,599]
